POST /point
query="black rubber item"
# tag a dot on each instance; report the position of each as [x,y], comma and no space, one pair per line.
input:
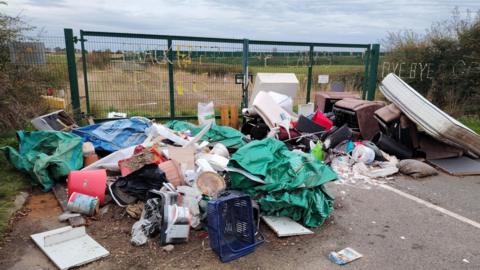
[392,147]
[259,131]
[341,134]
[306,125]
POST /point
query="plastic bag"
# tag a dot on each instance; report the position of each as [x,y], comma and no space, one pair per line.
[363,154]
[206,113]
[149,223]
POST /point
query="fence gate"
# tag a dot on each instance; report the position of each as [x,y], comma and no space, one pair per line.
[164,77]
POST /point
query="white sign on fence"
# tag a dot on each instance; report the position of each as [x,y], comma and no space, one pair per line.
[322,79]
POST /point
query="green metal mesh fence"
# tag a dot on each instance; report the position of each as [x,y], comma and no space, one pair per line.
[165,76]
[45,58]
[126,75]
[339,70]
[205,71]
[272,58]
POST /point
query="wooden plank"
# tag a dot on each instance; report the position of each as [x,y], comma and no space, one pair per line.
[60,192]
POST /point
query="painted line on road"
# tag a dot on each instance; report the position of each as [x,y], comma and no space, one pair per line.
[432,206]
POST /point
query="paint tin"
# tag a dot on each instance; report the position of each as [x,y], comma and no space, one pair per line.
[83,204]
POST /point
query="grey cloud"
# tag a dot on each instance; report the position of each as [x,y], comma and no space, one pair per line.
[325,21]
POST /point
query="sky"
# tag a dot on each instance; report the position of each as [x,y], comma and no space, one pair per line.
[347,21]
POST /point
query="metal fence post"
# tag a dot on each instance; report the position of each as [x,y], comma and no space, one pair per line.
[310,68]
[72,71]
[372,77]
[84,67]
[365,74]
[170,78]
[245,74]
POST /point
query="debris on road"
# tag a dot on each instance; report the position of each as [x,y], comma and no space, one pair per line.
[177,176]
[344,256]
[285,226]
[62,246]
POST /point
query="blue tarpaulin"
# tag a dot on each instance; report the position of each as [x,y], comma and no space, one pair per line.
[114,135]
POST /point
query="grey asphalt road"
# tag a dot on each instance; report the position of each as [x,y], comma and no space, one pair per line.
[394,232]
[390,230]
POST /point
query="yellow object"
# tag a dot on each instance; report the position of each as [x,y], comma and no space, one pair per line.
[55,102]
[180,89]
[194,87]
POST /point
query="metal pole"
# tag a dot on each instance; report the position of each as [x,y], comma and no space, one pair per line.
[372,77]
[170,78]
[84,67]
[72,72]
[310,67]
[245,74]
[365,74]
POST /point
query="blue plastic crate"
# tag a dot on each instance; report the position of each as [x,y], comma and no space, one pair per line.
[230,226]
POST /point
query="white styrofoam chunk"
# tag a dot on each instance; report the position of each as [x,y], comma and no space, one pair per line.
[285,226]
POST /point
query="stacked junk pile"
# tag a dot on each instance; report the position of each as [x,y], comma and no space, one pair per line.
[177,176]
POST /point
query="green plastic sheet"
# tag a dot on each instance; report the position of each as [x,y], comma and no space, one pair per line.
[293,181]
[46,156]
[227,136]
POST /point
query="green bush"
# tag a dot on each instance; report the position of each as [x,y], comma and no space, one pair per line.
[451,48]
[19,92]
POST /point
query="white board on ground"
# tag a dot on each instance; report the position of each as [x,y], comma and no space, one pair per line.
[68,247]
[285,226]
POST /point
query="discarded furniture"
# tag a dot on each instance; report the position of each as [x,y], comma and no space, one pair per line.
[358,115]
[282,83]
[324,101]
[434,121]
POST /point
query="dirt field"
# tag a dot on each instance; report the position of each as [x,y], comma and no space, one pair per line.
[112,230]
[145,91]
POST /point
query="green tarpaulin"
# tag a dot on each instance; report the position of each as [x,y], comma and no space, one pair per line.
[228,136]
[293,181]
[46,155]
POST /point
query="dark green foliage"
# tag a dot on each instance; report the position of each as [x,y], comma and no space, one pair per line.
[451,48]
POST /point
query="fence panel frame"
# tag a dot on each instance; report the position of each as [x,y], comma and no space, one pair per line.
[372,52]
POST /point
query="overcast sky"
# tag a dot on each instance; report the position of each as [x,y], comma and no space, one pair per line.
[354,21]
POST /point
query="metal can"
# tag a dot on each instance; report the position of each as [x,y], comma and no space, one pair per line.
[83,204]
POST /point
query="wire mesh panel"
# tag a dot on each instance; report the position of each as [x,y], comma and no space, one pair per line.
[337,69]
[128,75]
[205,71]
[272,58]
[46,61]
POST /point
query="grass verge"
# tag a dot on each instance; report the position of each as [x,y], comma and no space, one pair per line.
[472,122]
[11,182]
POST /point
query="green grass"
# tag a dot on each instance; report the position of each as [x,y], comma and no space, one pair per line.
[11,182]
[472,122]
